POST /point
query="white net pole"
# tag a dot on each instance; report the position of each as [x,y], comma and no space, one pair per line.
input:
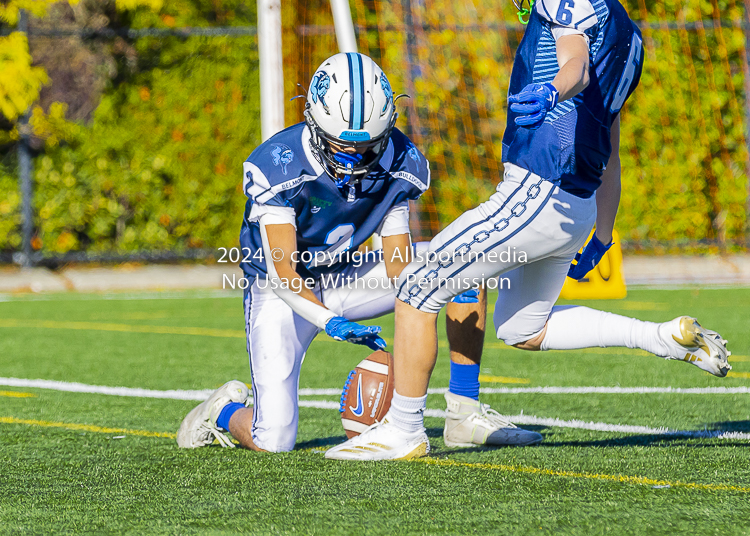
[271,68]
[342,21]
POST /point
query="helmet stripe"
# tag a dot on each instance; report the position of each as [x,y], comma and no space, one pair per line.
[356,86]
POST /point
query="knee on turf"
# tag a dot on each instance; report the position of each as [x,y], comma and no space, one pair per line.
[276,439]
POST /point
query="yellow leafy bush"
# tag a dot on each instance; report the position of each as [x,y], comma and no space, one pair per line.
[20,82]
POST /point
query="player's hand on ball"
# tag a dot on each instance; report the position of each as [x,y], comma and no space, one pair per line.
[532,104]
[341,329]
[587,261]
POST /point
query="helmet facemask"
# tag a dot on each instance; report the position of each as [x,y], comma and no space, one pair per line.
[346,167]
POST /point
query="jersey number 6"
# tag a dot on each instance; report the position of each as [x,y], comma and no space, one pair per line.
[564,15]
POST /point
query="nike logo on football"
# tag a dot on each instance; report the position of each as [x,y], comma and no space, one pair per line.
[360,409]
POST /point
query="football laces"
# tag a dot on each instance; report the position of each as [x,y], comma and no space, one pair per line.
[345,393]
[494,418]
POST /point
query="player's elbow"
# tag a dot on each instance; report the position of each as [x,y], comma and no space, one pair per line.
[585,78]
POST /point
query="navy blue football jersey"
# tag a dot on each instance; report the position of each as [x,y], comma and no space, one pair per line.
[282,172]
[572,147]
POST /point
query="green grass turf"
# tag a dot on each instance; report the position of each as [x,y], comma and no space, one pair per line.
[59,480]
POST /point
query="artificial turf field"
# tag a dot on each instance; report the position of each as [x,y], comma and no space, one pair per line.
[94,463]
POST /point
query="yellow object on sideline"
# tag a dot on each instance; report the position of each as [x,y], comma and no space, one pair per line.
[604,282]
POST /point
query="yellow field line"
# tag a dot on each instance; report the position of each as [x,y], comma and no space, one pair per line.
[485,378]
[227,333]
[85,427]
[443,462]
[125,328]
[16,394]
[738,358]
[640,480]
[745,375]
[643,306]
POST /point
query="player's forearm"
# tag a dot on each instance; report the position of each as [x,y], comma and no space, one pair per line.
[608,201]
[573,58]
[608,194]
[304,302]
[572,79]
[289,286]
[287,276]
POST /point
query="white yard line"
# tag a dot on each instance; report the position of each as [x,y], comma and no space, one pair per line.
[70,387]
[624,428]
[202,394]
[611,390]
[518,419]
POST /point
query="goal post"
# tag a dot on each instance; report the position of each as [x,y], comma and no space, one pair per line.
[344,26]
[271,68]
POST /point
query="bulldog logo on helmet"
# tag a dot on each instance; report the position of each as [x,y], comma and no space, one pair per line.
[282,156]
[388,92]
[319,87]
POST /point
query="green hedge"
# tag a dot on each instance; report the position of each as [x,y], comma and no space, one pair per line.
[159,167]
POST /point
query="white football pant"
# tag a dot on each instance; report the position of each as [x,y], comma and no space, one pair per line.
[277,339]
[526,215]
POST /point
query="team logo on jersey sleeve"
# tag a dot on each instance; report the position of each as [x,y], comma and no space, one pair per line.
[320,84]
[282,156]
[414,154]
[386,85]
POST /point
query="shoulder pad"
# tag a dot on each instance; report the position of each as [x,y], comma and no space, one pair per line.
[277,165]
[409,163]
[576,14]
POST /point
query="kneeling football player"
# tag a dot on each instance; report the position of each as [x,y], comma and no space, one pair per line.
[317,191]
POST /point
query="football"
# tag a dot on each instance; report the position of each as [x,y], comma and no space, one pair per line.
[367,393]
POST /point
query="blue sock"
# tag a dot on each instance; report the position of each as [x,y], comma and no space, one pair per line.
[226,414]
[464,380]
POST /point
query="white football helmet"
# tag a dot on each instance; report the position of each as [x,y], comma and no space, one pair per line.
[349,105]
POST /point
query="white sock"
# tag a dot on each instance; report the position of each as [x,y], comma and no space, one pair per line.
[570,327]
[407,413]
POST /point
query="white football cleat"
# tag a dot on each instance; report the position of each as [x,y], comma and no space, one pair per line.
[199,428]
[688,341]
[470,423]
[382,441]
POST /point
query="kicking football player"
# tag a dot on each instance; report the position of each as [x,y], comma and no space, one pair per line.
[317,191]
[577,64]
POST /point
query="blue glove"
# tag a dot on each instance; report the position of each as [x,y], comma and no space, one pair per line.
[341,329]
[533,103]
[587,261]
[470,296]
